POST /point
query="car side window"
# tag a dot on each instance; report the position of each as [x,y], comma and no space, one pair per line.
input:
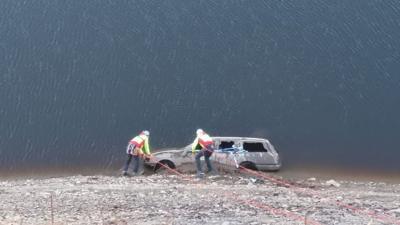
[254,147]
[226,144]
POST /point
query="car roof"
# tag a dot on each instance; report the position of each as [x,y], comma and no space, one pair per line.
[240,138]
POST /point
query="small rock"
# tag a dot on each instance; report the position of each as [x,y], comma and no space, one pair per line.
[312,179]
[250,185]
[395,210]
[332,183]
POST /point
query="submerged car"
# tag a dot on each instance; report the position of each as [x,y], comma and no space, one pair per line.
[230,152]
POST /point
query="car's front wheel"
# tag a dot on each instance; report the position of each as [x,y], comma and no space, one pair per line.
[248,165]
[164,164]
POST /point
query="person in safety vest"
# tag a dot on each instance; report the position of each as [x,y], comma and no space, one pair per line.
[204,142]
[138,148]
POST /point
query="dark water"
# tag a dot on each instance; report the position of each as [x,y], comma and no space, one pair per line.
[320,78]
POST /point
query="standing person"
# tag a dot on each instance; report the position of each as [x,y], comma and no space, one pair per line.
[137,148]
[206,143]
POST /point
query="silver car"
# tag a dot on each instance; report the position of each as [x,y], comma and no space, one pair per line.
[230,153]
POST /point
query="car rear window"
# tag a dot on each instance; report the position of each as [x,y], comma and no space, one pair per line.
[254,147]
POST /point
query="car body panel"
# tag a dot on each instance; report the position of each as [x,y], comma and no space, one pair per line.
[261,153]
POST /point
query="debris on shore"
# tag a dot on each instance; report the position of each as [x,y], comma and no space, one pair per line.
[169,199]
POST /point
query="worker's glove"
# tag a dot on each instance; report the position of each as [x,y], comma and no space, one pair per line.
[147,157]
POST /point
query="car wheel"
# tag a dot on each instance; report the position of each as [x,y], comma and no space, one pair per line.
[161,165]
[248,165]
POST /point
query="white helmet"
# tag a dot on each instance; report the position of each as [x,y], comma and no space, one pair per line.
[199,132]
[146,132]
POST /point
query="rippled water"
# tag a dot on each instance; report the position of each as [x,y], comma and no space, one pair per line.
[320,78]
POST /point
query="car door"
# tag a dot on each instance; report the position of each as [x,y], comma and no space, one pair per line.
[224,158]
[187,156]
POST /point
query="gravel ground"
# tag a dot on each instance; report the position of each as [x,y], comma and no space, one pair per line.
[169,199]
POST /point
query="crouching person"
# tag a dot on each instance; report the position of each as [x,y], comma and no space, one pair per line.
[207,148]
[138,148]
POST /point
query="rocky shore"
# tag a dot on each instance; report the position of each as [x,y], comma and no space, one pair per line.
[172,199]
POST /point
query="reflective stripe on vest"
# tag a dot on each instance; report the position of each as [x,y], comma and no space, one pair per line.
[205,140]
[138,141]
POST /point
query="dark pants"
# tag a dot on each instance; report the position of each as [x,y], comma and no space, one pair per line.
[206,152]
[136,162]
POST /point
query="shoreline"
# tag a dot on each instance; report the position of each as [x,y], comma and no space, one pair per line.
[295,173]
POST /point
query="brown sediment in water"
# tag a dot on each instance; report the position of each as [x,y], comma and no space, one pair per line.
[49,172]
[340,173]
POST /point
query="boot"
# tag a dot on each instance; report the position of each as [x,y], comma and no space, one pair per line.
[200,175]
[212,172]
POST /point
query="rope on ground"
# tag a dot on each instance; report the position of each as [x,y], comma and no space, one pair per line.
[366,212]
[252,203]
